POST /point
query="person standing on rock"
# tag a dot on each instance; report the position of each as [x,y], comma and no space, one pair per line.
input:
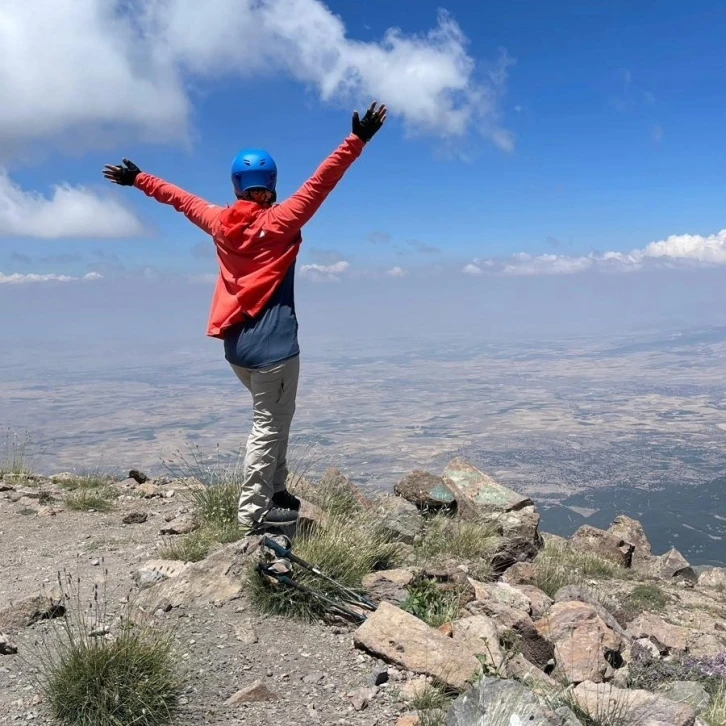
[253,309]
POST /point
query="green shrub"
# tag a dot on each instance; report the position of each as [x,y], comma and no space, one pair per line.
[557,566]
[468,542]
[432,604]
[648,597]
[89,677]
[716,714]
[98,499]
[346,548]
[85,481]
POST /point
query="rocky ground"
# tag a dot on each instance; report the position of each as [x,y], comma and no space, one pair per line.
[568,632]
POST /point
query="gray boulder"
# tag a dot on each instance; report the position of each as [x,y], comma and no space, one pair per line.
[493,702]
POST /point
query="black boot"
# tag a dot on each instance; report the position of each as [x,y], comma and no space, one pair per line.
[279,517]
[285,500]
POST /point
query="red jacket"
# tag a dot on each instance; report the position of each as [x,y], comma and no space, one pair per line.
[255,245]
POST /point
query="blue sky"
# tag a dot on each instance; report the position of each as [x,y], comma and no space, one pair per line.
[601,133]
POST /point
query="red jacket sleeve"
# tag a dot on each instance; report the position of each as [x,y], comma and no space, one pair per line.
[195,209]
[294,213]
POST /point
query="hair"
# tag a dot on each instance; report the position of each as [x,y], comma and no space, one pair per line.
[247,195]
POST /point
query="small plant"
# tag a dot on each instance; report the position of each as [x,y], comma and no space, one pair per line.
[96,499]
[648,672]
[16,455]
[430,697]
[716,714]
[346,548]
[85,481]
[332,494]
[431,603]
[468,542]
[648,597]
[431,703]
[192,547]
[558,566]
[92,677]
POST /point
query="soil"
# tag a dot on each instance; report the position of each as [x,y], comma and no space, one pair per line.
[311,668]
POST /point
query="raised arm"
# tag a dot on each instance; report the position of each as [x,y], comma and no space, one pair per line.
[198,211]
[195,209]
[294,213]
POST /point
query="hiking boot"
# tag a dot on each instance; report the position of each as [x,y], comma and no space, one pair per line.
[279,517]
[285,500]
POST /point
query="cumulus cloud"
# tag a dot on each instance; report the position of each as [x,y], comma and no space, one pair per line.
[676,251]
[69,212]
[324,273]
[19,279]
[396,272]
[92,66]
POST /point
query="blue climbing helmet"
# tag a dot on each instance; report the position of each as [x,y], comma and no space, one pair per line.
[253,169]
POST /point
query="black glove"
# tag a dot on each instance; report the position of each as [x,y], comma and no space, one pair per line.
[367,127]
[123,175]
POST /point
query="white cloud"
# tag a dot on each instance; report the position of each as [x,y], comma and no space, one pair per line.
[676,251]
[18,279]
[396,272]
[69,212]
[92,67]
[324,273]
[472,269]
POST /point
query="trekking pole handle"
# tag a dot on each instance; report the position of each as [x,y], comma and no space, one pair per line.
[278,549]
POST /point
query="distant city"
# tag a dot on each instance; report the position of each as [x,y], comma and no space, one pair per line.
[588,428]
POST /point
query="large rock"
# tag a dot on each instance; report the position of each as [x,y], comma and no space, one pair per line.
[183,524]
[665,635]
[478,634]
[580,594]
[520,524]
[714,577]
[519,668]
[672,565]
[400,519]
[511,552]
[155,571]
[30,610]
[521,573]
[425,490]
[689,692]
[585,648]
[399,637]
[216,580]
[388,585]
[502,594]
[631,530]
[603,544]
[517,627]
[608,704]
[480,490]
[671,638]
[539,602]
[496,702]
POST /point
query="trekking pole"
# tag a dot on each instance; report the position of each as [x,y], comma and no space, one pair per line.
[285,580]
[286,552]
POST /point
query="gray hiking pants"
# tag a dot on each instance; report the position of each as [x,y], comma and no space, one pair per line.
[273,390]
